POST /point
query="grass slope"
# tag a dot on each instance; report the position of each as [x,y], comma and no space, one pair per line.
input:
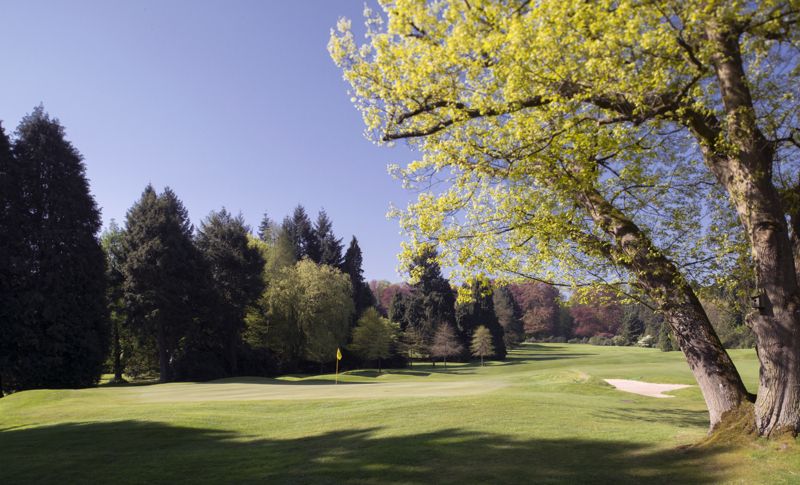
[543,416]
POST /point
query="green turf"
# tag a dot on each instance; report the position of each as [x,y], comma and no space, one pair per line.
[543,416]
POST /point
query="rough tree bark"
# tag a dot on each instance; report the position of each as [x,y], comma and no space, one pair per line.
[746,173]
[716,375]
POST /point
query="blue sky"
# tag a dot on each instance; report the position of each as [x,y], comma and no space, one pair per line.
[231,103]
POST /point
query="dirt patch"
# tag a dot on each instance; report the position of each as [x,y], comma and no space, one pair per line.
[645,388]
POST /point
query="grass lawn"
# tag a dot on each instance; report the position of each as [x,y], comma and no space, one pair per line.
[543,416]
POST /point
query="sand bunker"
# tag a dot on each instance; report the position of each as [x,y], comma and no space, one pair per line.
[645,388]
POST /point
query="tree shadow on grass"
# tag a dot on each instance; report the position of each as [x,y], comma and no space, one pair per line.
[149,452]
[683,418]
[266,381]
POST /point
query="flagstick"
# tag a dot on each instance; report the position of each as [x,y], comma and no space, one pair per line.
[337,371]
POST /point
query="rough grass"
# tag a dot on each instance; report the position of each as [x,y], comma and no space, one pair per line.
[544,416]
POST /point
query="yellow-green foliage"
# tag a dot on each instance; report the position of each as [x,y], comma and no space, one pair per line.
[519,108]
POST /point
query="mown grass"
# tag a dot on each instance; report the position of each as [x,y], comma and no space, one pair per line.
[544,416]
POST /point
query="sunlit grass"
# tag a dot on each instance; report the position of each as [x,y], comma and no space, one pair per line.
[544,416]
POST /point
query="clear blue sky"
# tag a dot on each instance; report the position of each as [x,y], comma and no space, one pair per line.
[231,103]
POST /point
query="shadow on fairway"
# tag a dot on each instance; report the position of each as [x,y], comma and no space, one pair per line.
[266,381]
[683,418]
[147,452]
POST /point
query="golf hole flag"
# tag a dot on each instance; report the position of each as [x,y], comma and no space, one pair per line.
[338,358]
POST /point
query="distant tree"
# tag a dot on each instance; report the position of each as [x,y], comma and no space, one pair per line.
[330,247]
[112,241]
[267,230]
[446,343]
[236,274]
[398,308]
[598,314]
[414,344]
[385,292]
[665,342]
[632,327]
[162,275]
[374,337]
[300,231]
[482,343]
[506,311]
[433,295]
[352,267]
[479,311]
[61,330]
[538,307]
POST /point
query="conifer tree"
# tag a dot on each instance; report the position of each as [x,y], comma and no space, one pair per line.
[330,248]
[162,274]
[352,266]
[435,297]
[301,233]
[506,311]
[481,345]
[267,230]
[61,330]
[12,258]
[236,274]
[113,246]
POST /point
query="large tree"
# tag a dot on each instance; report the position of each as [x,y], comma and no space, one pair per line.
[596,137]
[12,257]
[60,325]
[163,279]
[374,337]
[112,241]
[301,232]
[235,268]
[478,311]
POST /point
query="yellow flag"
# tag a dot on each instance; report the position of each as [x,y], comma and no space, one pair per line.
[338,354]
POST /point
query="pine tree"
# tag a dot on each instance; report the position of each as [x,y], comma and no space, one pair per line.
[267,230]
[162,274]
[632,326]
[506,311]
[481,345]
[61,332]
[433,295]
[330,248]
[352,266]
[301,233]
[236,274]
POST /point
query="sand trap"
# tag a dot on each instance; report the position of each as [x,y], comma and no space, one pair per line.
[190,392]
[645,388]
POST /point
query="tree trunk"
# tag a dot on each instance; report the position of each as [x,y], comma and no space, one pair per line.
[117,354]
[745,170]
[163,356]
[717,377]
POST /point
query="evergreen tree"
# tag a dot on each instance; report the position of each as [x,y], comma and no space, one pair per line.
[267,230]
[13,260]
[506,311]
[112,242]
[330,248]
[236,274]
[481,345]
[300,231]
[479,312]
[433,296]
[162,275]
[353,260]
[632,326]
[61,330]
